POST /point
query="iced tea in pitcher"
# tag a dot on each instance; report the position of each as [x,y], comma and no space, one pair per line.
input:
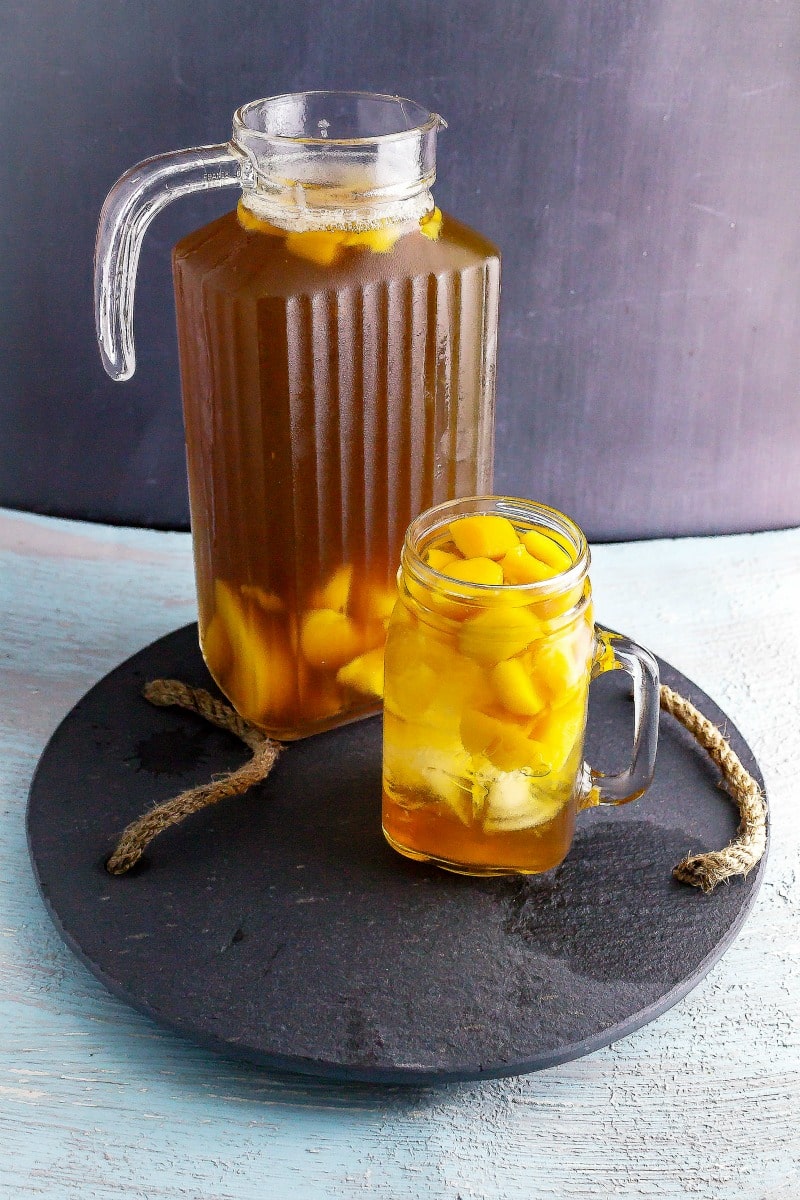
[337,346]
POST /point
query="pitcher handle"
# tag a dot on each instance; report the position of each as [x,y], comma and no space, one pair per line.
[615,652]
[134,200]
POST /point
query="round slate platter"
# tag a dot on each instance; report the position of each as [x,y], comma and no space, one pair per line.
[279,927]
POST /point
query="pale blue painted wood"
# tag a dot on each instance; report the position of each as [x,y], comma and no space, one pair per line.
[95,1101]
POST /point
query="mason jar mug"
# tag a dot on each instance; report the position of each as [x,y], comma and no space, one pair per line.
[491,648]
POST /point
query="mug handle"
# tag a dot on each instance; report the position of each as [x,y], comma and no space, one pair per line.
[614,652]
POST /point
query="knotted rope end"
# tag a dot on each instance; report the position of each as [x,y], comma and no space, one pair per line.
[163,693]
[707,871]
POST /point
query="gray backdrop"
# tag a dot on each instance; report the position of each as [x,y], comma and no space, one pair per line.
[637,163]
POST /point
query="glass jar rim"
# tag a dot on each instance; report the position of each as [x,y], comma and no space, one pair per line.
[427,523]
[432,121]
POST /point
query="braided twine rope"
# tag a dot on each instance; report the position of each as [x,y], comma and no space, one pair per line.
[704,871]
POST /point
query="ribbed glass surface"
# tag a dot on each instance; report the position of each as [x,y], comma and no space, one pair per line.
[326,405]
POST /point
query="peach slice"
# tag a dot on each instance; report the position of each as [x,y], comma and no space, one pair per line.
[431,224]
[504,742]
[558,732]
[547,550]
[216,646]
[335,592]
[485,535]
[321,246]
[364,673]
[558,664]
[552,607]
[379,241]
[497,634]
[270,602]
[328,638]
[519,566]
[439,559]
[475,570]
[262,678]
[516,690]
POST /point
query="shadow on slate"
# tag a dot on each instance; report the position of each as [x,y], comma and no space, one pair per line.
[280,928]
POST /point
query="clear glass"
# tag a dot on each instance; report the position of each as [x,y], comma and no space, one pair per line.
[337,160]
[337,338]
[304,160]
[490,652]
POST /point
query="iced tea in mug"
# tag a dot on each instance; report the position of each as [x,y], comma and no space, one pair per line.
[490,652]
[337,347]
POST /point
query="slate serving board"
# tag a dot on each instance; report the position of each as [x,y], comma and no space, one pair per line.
[279,927]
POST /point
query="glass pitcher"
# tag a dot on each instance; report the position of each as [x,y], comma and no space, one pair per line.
[337,337]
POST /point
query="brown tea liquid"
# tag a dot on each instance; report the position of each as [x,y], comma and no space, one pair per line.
[331,392]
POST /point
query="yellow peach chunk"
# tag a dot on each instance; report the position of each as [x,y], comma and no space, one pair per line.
[272,669]
[431,224]
[335,592]
[432,602]
[497,634]
[364,674]
[475,570]
[410,689]
[402,615]
[439,559]
[216,646]
[227,605]
[504,743]
[519,566]
[516,690]
[230,613]
[485,535]
[266,686]
[548,551]
[320,246]
[429,679]
[253,224]
[422,764]
[261,680]
[378,601]
[558,604]
[379,241]
[270,602]
[328,638]
[558,664]
[558,734]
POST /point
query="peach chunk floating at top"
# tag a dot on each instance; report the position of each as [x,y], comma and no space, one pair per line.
[484,536]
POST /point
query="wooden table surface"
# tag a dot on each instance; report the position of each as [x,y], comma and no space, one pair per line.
[95,1101]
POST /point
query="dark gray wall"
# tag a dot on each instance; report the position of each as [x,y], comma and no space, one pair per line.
[638,164]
